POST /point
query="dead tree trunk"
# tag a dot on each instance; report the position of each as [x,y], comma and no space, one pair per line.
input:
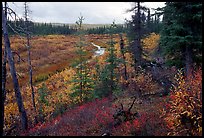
[4,72]
[123,54]
[24,120]
[121,115]
[3,81]
[29,60]
[139,48]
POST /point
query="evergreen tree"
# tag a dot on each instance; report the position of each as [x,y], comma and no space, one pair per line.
[83,82]
[136,31]
[39,28]
[156,23]
[108,79]
[148,24]
[181,37]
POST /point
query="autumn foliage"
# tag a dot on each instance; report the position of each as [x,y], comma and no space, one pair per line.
[183,113]
[95,118]
[180,112]
[91,116]
[150,45]
[52,57]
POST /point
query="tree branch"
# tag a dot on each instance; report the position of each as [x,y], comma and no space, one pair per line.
[132,104]
[19,57]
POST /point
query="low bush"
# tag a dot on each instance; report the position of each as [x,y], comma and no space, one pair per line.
[183,112]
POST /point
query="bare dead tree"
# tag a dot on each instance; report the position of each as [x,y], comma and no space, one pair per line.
[4,73]
[24,119]
[3,81]
[19,57]
[138,39]
[29,58]
[123,54]
[122,115]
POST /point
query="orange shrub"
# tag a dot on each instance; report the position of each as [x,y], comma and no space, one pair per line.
[183,112]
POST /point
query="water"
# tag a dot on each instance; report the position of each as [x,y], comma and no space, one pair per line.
[100,50]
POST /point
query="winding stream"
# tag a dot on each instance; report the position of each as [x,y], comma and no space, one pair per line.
[100,50]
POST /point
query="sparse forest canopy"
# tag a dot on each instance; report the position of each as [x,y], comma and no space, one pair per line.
[141,78]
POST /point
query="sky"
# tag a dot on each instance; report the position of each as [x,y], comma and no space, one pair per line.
[68,12]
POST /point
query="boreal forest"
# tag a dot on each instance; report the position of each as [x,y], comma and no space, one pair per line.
[140,78]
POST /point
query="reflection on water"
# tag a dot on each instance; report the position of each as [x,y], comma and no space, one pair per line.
[100,50]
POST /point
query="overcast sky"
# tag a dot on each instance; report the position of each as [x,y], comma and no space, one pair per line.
[68,12]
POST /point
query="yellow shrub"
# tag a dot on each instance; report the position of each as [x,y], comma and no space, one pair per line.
[183,113]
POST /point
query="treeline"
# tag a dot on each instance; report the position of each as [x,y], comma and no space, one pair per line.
[39,28]
[18,27]
[107,30]
[150,23]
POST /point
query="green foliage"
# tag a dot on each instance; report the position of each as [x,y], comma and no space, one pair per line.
[83,83]
[108,81]
[49,29]
[41,77]
[182,25]
[40,28]
[148,24]
[107,30]
[60,108]
[43,93]
[174,62]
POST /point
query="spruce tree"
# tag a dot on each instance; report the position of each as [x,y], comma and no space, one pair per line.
[181,37]
[108,79]
[136,32]
[82,81]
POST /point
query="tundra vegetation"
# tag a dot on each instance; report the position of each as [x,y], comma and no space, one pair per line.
[148,82]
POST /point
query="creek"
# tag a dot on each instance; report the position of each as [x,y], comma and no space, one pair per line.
[99,51]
